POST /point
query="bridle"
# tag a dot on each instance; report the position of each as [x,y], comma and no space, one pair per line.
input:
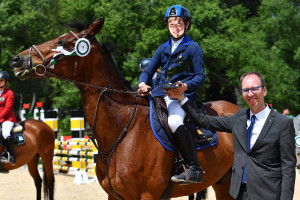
[46,64]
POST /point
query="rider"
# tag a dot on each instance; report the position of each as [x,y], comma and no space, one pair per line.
[144,63]
[7,118]
[178,48]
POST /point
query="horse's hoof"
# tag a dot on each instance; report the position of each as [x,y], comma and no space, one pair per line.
[4,171]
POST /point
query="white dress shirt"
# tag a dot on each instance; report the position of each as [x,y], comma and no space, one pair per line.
[175,44]
[260,119]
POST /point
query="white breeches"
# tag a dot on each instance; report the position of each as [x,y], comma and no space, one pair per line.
[176,113]
[6,128]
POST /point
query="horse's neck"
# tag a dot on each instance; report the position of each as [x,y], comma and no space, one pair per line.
[105,74]
[112,107]
[110,116]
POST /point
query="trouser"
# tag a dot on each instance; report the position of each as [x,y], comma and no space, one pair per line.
[243,194]
[6,128]
[176,113]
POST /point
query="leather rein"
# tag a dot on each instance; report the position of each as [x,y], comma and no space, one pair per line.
[110,151]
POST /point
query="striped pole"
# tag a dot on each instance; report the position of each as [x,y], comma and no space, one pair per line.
[80,157]
[51,119]
[77,123]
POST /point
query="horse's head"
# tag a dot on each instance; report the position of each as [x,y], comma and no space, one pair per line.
[52,58]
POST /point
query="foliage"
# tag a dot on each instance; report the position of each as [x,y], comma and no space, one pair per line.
[236,37]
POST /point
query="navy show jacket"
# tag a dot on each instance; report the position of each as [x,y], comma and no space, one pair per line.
[193,77]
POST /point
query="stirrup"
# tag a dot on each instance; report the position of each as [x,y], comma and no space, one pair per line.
[4,156]
[6,159]
[184,177]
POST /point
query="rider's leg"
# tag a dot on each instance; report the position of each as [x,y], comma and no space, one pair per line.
[9,142]
[184,142]
[187,147]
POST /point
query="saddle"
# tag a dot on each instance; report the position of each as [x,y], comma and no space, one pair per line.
[16,132]
[162,114]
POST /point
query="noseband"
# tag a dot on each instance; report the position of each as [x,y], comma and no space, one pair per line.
[44,65]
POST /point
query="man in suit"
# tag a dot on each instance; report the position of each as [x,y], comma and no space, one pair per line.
[264,164]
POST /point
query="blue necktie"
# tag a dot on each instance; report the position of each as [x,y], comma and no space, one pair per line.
[248,135]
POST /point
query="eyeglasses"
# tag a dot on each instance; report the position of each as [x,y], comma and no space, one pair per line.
[253,89]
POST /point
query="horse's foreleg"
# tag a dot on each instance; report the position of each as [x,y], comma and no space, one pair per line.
[33,170]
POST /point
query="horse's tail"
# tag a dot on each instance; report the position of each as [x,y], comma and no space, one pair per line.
[48,186]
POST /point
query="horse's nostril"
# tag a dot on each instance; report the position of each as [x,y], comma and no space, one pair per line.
[16,59]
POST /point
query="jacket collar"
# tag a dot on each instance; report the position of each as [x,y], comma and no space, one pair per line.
[168,45]
[4,90]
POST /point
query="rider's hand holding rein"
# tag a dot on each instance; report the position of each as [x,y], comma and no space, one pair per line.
[144,89]
[178,93]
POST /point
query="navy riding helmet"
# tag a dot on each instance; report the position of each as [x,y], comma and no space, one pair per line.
[144,63]
[4,75]
[178,11]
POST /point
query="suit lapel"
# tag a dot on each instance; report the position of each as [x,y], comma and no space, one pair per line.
[167,47]
[265,129]
[241,137]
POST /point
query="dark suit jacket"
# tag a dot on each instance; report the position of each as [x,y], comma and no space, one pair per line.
[271,161]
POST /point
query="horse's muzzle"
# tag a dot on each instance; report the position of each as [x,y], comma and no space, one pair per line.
[20,66]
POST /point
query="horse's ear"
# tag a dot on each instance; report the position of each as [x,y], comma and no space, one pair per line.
[96,27]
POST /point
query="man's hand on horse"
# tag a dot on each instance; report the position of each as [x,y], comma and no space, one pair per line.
[177,93]
[144,89]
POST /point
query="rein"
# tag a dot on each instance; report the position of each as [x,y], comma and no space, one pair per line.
[113,147]
[91,85]
[110,151]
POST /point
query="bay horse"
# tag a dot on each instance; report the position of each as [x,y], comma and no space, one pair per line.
[132,164]
[39,143]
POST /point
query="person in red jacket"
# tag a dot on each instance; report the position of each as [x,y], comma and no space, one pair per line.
[7,118]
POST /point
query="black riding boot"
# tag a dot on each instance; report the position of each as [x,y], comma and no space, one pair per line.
[187,147]
[10,147]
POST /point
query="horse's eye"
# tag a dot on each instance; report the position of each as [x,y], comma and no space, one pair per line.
[62,43]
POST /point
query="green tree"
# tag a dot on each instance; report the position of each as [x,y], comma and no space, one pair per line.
[24,23]
[236,37]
